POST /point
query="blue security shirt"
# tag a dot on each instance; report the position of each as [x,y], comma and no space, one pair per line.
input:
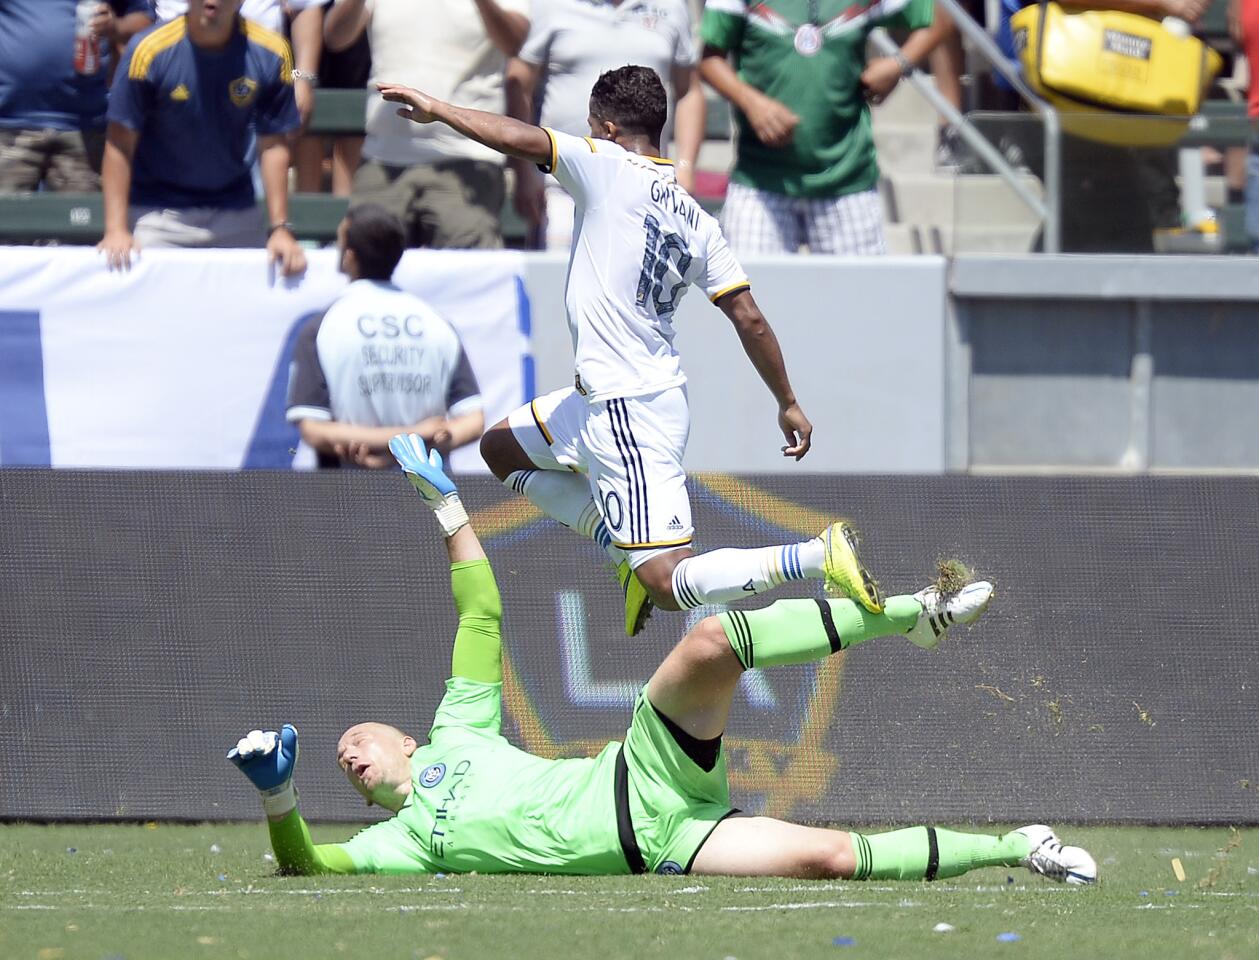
[39,88]
[194,110]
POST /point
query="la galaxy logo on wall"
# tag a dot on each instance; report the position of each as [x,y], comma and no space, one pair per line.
[431,776]
[572,694]
[242,90]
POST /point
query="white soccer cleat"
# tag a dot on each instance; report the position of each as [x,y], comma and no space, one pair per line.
[1053,859]
[941,612]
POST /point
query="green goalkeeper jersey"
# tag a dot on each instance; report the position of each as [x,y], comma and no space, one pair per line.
[808,55]
[479,803]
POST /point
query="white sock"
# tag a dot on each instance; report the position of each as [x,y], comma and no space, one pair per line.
[720,576]
[565,497]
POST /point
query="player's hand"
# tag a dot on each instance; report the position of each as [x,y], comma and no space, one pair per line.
[118,245]
[362,455]
[283,249]
[304,96]
[415,105]
[1190,11]
[423,468]
[797,431]
[880,78]
[267,758]
[773,123]
[103,23]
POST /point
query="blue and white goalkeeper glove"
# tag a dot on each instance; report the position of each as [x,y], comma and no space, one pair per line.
[267,758]
[423,468]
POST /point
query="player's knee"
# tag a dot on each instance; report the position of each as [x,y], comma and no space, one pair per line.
[832,859]
[656,576]
[707,644]
[498,448]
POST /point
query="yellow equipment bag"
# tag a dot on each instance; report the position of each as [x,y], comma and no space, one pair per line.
[1116,78]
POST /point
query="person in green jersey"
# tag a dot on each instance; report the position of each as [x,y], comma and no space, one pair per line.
[468,800]
[805,170]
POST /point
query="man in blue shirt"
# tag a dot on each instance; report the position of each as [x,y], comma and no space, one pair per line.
[52,112]
[186,100]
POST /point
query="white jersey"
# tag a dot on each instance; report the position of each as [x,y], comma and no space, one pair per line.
[639,241]
[380,357]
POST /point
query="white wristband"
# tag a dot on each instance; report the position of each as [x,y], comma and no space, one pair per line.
[280,800]
[451,514]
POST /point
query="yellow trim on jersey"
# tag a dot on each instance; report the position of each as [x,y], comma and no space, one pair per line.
[730,289]
[591,144]
[163,38]
[555,153]
[533,408]
[663,161]
[273,42]
[653,546]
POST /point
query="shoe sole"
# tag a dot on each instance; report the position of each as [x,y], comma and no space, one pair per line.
[633,628]
[868,595]
[644,614]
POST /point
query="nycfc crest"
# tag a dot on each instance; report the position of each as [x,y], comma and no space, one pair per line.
[433,775]
[242,90]
[808,39]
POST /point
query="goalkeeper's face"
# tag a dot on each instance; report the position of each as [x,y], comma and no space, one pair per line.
[376,759]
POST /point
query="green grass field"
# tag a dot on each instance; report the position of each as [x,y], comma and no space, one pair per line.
[210,891]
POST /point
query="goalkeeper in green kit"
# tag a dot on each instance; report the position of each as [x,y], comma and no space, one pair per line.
[468,800]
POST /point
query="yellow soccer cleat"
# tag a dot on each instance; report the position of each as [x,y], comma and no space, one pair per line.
[638,605]
[844,573]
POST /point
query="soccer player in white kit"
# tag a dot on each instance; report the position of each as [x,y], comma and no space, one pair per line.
[604,456]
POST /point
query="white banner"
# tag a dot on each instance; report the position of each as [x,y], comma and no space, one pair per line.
[184,361]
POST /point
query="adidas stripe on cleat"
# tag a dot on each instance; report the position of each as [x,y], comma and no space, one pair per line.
[1051,858]
[845,575]
[939,612]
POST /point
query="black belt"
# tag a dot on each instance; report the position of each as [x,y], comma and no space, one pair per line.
[625,823]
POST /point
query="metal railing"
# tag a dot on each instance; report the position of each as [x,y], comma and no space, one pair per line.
[1049,209]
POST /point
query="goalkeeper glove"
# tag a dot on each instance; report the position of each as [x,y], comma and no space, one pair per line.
[267,758]
[423,468]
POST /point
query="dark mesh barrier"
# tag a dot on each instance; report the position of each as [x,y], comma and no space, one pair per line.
[148,620]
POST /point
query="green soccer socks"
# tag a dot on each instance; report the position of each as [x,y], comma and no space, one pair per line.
[929,853]
[800,631]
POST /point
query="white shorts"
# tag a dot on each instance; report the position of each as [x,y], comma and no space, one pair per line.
[630,450]
[760,222]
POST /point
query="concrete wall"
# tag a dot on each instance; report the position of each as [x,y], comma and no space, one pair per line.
[1116,363]
[922,365]
[864,344]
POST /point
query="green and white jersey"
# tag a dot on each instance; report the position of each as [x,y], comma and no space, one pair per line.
[808,55]
[478,803]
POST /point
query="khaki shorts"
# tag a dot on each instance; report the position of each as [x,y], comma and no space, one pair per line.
[59,159]
[452,204]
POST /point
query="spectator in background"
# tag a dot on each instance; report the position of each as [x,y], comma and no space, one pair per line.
[347,69]
[188,96]
[571,44]
[304,19]
[448,190]
[1113,198]
[1244,25]
[379,361]
[54,89]
[805,170]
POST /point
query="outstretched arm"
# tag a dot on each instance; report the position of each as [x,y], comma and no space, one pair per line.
[761,346]
[478,652]
[268,759]
[515,138]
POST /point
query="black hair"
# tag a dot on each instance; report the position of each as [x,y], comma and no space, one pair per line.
[633,98]
[377,239]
